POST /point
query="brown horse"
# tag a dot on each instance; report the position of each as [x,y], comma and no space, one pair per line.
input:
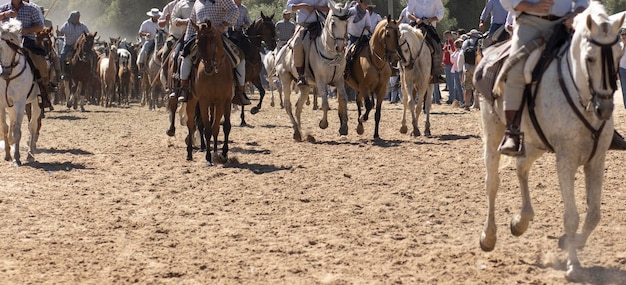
[369,71]
[212,88]
[261,31]
[81,69]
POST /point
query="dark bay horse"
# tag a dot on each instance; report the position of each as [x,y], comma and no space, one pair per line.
[261,31]
[212,89]
[370,70]
[81,69]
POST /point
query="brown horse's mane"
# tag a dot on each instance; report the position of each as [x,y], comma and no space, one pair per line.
[80,45]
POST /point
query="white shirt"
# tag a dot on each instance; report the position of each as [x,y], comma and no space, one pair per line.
[357,29]
[149,27]
[622,60]
[559,8]
[303,16]
[426,9]
[181,11]
[169,7]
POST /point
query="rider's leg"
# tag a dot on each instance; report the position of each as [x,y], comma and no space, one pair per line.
[41,65]
[299,55]
[437,64]
[185,72]
[240,97]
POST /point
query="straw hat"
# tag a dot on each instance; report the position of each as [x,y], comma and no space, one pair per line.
[154,12]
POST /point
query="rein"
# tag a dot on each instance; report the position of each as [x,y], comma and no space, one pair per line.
[412,59]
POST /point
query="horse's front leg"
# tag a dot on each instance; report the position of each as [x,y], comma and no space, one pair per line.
[428,99]
[520,222]
[191,125]
[566,168]
[304,94]
[18,110]
[5,134]
[359,104]
[171,107]
[493,130]
[322,90]
[380,97]
[342,107]
[259,86]
[227,127]
[286,87]
[33,129]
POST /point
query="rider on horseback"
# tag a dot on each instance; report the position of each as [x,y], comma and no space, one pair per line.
[72,30]
[222,13]
[148,31]
[32,22]
[425,15]
[307,21]
[533,18]
[179,20]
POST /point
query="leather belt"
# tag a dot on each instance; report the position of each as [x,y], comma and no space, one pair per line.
[546,17]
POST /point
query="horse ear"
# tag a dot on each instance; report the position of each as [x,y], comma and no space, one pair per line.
[94,34]
[388,18]
[262,15]
[272,17]
[194,25]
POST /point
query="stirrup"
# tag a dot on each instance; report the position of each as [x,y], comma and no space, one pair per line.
[515,150]
[301,81]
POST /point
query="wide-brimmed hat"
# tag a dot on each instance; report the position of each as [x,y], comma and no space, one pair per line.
[154,12]
[474,32]
[371,5]
[285,12]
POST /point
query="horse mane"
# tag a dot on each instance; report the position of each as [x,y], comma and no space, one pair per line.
[10,31]
[406,28]
[595,10]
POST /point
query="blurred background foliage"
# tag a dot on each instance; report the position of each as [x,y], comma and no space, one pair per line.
[113,18]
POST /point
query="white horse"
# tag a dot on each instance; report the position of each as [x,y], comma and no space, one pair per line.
[269,62]
[573,106]
[17,89]
[415,77]
[326,59]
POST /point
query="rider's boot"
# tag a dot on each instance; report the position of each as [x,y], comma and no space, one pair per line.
[240,97]
[513,142]
[184,90]
[45,101]
[301,79]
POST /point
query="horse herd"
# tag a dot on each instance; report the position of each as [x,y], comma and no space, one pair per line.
[579,133]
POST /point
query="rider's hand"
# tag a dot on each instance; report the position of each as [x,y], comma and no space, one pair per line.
[10,14]
[542,7]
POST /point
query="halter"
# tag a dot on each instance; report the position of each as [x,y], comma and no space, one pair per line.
[15,61]
[260,22]
[210,64]
[330,32]
[608,66]
[332,61]
[386,57]
[411,61]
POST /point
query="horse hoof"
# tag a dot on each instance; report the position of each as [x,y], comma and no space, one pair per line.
[297,136]
[486,246]
[171,133]
[417,133]
[17,163]
[359,129]
[254,110]
[323,124]
[208,164]
[517,228]
[315,108]
[404,130]
[427,134]
[30,158]
[272,104]
[574,272]
[310,139]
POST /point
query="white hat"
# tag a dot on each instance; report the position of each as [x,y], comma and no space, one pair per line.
[154,12]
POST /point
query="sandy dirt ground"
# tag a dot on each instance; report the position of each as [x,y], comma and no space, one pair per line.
[112,200]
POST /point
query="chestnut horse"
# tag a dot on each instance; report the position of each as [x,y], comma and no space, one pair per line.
[212,88]
[370,70]
[81,69]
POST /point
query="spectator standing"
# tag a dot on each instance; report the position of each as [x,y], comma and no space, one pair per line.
[284,29]
[448,49]
[622,65]
[468,68]
[456,90]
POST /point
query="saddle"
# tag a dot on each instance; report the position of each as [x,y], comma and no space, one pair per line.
[354,50]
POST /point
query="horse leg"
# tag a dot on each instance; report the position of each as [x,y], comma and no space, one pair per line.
[342,108]
[259,86]
[359,105]
[520,222]
[406,84]
[208,121]
[493,130]
[243,117]
[304,94]
[419,94]
[34,124]
[567,173]
[227,127]
[316,92]
[18,110]
[428,104]
[321,87]
[380,97]
[171,107]
[191,125]
[286,87]
[5,134]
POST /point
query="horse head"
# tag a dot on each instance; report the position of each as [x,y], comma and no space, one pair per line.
[336,25]
[10,45]
[411,44]
[43,39]
[595,47]
[265,31]
[210,46]
[389,34]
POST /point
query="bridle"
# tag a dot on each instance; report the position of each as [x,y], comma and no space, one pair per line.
[387,57]
[609,71]
[411,61]
[7,70]
[210,64]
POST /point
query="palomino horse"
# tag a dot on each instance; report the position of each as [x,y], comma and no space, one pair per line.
[415,77]
[326,62]
[150,82]
[213,90]
[261,31]
[17,89]
[572,107]
[107,72]
[81,69]
[370,71]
